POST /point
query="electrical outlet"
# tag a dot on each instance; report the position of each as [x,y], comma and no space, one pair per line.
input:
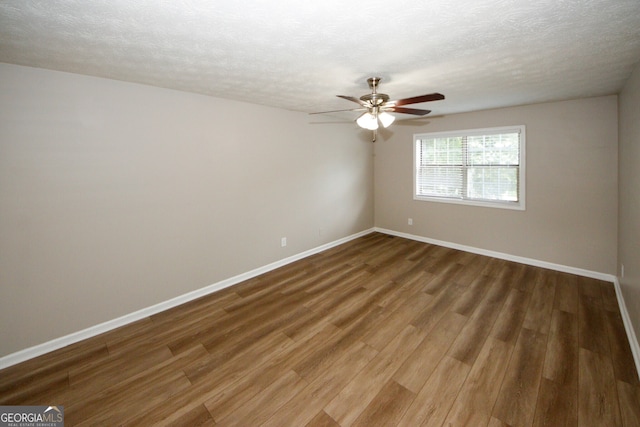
[410,221]
[283,242]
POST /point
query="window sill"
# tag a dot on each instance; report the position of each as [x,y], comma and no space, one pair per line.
[519,206]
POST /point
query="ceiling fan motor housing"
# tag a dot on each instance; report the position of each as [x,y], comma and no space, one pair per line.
[375,98]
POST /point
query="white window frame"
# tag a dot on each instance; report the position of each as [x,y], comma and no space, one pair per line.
[517,205]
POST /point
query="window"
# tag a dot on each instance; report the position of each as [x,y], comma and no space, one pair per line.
[482,167]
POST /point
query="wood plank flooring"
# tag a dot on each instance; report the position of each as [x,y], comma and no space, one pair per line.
[378,331]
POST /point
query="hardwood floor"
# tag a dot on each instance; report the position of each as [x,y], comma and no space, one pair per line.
[378,331]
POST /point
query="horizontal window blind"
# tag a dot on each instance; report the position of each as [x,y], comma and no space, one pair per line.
[480,165]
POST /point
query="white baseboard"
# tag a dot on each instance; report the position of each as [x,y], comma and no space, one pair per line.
[628,326]
[58,343]
[501,255]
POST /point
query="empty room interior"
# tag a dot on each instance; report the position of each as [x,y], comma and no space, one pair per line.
[338,213]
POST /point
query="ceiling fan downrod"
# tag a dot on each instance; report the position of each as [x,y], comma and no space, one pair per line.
[373,83]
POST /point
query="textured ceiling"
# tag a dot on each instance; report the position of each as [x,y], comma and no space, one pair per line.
[298,55]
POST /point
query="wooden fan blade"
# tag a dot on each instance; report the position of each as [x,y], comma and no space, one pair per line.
[339,111]
[413,111]
[418,99]
[353,99]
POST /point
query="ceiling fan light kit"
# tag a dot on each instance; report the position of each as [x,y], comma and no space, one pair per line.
[386,119]
[367,121]
[376,107]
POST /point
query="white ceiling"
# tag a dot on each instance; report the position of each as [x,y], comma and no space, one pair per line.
[298,54]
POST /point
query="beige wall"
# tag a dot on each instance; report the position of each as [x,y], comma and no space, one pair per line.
[571,186]
[629,209]
[116,196]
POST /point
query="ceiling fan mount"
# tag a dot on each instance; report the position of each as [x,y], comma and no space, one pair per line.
[376,107]
[374,98]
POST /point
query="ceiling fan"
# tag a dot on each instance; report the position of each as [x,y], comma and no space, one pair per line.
[376,107]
